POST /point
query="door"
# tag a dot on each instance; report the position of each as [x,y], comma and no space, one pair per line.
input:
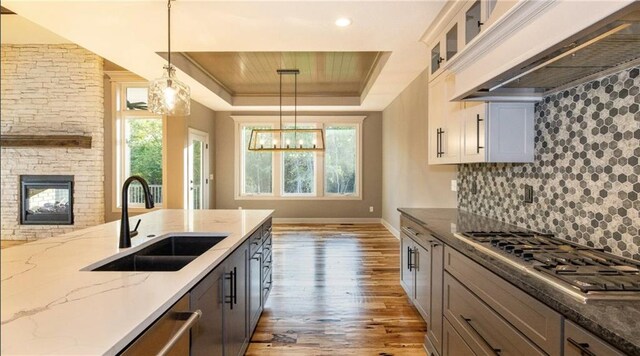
[406,270]
[198,170]
[422,263]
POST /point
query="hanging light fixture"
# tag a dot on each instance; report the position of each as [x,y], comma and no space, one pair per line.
[282,139]
[168,95]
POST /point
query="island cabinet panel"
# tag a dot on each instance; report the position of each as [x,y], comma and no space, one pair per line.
[484,330]
[406,270]
[255,287]
[236,330]
[535,320]
[206,336]
[579,342]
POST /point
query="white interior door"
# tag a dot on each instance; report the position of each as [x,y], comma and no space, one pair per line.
[198,170]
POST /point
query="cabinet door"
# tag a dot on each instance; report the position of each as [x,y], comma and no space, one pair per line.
[472,21]
[578,342]
[422,258]
[454,345]
[235,307]
[510,132]
[472,120]
[436,112]
[434,333]
[255,289]
[437,57]
[206,336]
[406,268]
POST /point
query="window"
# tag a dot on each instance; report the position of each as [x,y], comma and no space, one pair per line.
[340,159]
[139,144]
[257,167]
[330,174]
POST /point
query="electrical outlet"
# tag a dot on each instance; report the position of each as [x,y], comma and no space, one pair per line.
[528,194]
[371,209]
[454,185]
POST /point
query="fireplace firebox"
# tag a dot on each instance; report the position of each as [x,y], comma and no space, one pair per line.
[46,200]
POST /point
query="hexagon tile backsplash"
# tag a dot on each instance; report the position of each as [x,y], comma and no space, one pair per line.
[585,174]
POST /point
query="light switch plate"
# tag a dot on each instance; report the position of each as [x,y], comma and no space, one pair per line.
[454,185]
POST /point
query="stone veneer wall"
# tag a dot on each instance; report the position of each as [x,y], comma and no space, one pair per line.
[585,174]
[52,89]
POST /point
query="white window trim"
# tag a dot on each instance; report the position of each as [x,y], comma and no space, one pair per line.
[277,189]
[118,89]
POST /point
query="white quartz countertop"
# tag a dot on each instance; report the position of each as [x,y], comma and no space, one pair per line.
[50,306]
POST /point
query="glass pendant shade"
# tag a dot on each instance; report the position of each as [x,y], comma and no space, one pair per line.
[169,96]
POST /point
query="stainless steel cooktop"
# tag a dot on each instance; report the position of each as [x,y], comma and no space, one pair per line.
[583,272]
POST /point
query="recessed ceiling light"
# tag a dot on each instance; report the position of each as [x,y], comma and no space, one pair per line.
[343,22]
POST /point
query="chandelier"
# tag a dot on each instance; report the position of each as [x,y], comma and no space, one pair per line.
[281,139]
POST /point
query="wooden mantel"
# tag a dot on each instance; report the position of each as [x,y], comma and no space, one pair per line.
[70,141]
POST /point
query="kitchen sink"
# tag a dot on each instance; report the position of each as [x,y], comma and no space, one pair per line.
[168,254]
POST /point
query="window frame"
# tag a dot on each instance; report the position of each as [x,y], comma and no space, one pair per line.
[277,158]
[120,114]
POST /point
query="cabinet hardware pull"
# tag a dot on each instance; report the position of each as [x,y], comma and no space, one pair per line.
[232,286]
[409,258]
[468,321]
[235,286]
[441,142]
[412,263]
[191,320]
[438,142]
[440,60]
[259,256]
[582,346]
[480,24]
[478,120]
[409,231]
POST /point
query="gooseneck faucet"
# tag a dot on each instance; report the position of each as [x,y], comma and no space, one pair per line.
[125,233]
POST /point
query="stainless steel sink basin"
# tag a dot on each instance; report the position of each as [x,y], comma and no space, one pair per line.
[168,254]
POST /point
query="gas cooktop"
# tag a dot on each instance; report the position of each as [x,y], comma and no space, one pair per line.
[583,272]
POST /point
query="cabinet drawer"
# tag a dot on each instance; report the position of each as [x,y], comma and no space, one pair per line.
[415,231]
[578,342]
[535,320]
[267,247]
[484,331]
[266,230]
[452,342]
[255,241]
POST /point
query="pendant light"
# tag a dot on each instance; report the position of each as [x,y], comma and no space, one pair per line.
[282,139]
[168,95]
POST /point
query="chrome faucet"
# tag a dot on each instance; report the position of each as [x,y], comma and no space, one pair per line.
[125,233]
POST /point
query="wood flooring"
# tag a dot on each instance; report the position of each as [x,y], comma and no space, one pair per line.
[336,291]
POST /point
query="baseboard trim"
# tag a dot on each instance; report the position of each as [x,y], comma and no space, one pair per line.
[391,229]
[326,220]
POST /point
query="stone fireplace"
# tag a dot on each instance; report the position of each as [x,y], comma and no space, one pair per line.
[52,90]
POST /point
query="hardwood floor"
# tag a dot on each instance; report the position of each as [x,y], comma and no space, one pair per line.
[337,292]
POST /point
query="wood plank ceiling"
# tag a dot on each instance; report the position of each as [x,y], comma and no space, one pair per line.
[321,73]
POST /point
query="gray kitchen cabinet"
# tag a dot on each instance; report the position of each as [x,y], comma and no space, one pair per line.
[480,327]
[231,298]
[453,343]
[255,287]
[497,132]
[435,330]
[206,336]
[236,331]
[406,270]
[422,266]
[579,342]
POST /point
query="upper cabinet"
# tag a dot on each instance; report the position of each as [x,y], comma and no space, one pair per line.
[472,21]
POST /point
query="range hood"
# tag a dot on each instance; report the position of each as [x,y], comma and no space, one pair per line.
[606,47]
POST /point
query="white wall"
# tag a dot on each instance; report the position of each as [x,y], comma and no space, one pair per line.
[407,180]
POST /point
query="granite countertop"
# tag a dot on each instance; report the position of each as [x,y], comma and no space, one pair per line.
[51,306]
[617,322]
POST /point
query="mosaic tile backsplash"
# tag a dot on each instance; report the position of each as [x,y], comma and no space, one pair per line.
[585,174]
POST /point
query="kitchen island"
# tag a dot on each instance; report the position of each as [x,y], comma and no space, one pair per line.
[53,304]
